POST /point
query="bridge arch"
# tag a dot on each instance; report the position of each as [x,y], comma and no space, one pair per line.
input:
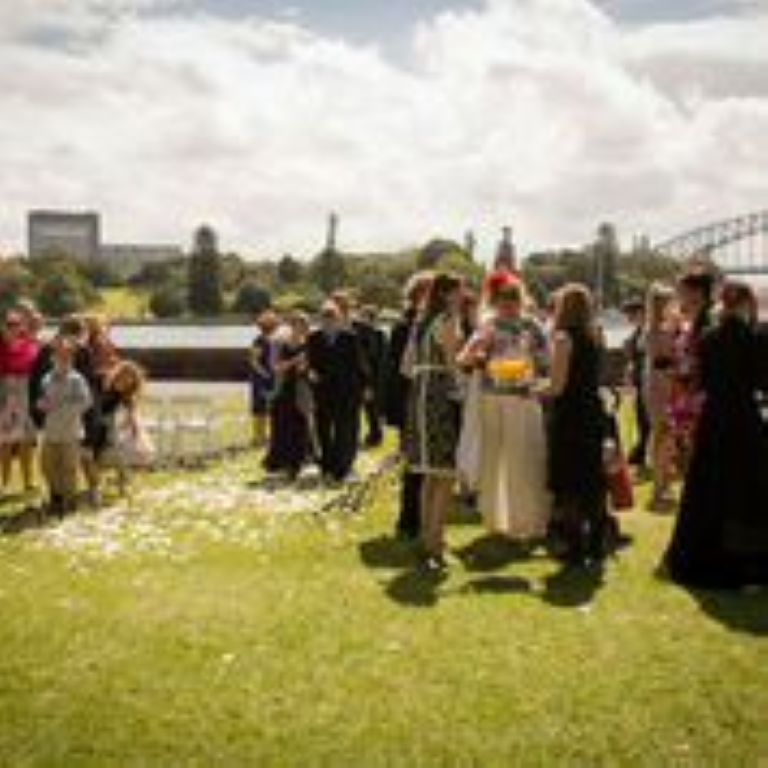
[738,245]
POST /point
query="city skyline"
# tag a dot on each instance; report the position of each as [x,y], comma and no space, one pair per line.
[426,118]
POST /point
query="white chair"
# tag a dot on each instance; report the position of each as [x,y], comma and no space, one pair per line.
[156,417]
[193,422]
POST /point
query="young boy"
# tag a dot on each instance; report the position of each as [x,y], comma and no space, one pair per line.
[65,397]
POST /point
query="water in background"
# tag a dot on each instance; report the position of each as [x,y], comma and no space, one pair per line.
[241,336]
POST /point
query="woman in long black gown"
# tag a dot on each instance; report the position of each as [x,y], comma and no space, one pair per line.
[291,412]
[576,425]
[721,536]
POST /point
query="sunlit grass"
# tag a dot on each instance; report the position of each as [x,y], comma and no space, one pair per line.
[123,303]
[230,628]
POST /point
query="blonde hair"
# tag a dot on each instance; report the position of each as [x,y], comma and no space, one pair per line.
[134,372]
[660,296]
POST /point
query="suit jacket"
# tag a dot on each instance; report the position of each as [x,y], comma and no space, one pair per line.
[338,365]
[397,385]
[373,342]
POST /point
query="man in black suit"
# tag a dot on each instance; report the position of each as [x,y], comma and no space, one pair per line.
[374,343]
[339,377]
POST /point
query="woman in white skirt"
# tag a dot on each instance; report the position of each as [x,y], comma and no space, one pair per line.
[514,498]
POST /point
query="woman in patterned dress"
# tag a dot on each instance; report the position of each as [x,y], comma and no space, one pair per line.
[695,295]
[434,409]
[19,350]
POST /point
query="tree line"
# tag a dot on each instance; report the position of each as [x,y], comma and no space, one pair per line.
[213,283]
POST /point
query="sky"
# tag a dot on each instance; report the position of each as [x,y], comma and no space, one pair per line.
[411,118]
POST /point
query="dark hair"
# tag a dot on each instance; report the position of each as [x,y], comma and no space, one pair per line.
[72,326]
[442,286]
[701,281]
[735,295]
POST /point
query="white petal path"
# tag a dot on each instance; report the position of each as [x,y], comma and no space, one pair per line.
[173,519]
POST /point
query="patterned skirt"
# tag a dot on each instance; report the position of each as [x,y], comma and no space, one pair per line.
[433,424]
[16,425]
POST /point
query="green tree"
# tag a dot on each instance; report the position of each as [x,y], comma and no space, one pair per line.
[62,292]
[290,271]
[205,291]
[251,299]
[16,282]
[168,301]
[432,255]
[101,274]
[329,270]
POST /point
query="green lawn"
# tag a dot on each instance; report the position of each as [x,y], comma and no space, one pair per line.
[123,303]
[220,623]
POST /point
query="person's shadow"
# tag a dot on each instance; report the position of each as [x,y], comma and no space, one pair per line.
[492,553]
[416,587]
[745,611]
[573,586]
[413,585]
[27,519]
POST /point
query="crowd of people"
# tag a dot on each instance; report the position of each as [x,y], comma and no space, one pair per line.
[67,404]
[497,401]
[507,405]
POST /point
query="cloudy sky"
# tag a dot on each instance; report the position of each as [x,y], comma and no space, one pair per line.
[410,117]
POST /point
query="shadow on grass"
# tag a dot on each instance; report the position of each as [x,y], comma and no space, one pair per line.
[492,553]
[387,552]
[416,587]
[740,611]
[573,586]
[413,585]
[498,585]
[27,519]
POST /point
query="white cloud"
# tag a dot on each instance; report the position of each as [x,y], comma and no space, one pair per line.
[543,112]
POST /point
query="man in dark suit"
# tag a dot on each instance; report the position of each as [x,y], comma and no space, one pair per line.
[339,377]
[374,343]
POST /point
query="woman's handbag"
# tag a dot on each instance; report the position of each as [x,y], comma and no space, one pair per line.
[618,478]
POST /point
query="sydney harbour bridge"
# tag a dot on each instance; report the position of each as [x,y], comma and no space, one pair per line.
[739,246]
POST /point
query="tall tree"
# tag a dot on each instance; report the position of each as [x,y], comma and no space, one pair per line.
[289,270]
[206,294]
[329,270]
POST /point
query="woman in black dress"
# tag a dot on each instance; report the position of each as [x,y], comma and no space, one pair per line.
[577,429]
[291,411]
[721,536]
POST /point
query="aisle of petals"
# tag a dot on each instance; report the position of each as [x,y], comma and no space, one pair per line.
[173,517]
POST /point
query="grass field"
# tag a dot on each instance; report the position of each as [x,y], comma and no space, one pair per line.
[123,304]
[218,621]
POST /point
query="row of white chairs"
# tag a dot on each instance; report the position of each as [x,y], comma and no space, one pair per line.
[187,429]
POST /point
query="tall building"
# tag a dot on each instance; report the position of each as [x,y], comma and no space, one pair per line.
[74,234]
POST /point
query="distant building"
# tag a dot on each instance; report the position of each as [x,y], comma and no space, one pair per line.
[79,235]
[74,234]
[128,260]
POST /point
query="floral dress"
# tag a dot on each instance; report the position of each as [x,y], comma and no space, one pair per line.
[687,396]
[434,410]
